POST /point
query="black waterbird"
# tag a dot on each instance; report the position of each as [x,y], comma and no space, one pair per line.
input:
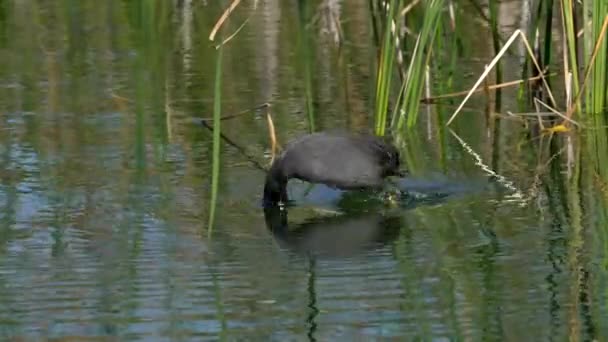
[340,160]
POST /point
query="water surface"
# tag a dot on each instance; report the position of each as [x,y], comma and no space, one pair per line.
[105,187]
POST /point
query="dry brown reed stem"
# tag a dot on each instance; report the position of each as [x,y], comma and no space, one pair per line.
[243,112]
[568,89]
[238,147]
[233,34]
[486,90]
[273,137]
[565,61]
[118,97]
[409,7]
[452,16]
[556,112]
[120,101]
[542,114]
[588,68]
[537,65]
[490,87]
[427,90]
[169,112]
[495,61]
[223,18]
[404,12]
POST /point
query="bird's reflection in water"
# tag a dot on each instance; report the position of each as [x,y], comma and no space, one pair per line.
[363,221]
[333,236]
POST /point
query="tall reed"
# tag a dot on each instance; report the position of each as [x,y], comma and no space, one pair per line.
[598,89]
[217,111]
[386,66]
[411,90]
[494,14]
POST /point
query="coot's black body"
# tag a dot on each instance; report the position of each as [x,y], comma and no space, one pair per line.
[340,160]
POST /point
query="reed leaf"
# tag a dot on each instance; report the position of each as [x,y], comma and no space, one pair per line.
[385,68]
[414,82]
[598,91]
[494,14]
[567,8]
[217,112]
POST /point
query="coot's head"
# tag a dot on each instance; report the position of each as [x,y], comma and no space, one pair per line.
[275,188]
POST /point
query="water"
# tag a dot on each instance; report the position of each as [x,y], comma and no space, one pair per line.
[105,186]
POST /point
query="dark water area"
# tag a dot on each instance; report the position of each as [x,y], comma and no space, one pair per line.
[105,187]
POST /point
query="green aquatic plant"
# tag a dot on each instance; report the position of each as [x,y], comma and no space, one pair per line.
[385,70]
[420,60]
[393,43]
[217,112]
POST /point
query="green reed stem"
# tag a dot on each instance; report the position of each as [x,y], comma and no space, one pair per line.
[548,31]
[217,112]
[414,82]
[568,19]
[496,43]
[385,69]
[599,92]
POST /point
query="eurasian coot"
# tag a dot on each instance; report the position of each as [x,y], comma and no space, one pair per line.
[340,160]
